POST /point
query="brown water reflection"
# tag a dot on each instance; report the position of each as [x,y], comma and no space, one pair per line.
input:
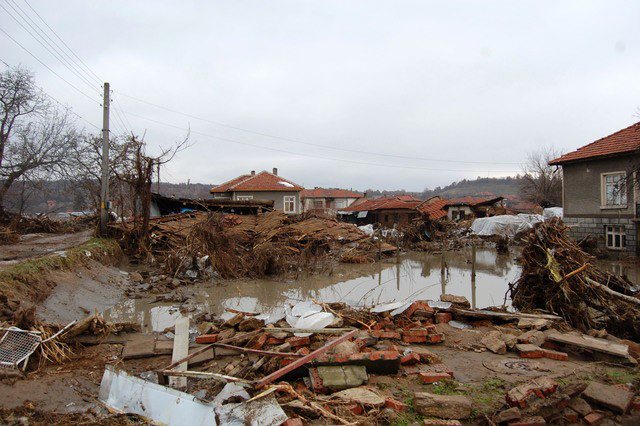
[417,276]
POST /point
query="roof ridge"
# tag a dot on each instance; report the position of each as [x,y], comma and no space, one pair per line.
[605,137]
[230,180]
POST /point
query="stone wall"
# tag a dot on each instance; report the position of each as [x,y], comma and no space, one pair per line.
[580,228]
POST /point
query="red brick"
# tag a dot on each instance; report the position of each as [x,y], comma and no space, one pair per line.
[443,317]
[259,341]
[207,338]
[274,341]
[296,421]
[418,305]
[529,421]
[421,332]
[396,405]
[560,356]
[316,381]
[304,351]
[526,350]
[414,339]
[364,342]
[298,341]
[433,376]
[520,395]
[570,416]
[382,334]
[594,418]
[410,359]
[435,338]
[356,409]
[551,345]
[441,368]
[441,422]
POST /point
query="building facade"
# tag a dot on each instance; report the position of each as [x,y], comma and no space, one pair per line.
[600,193]
[263,186]
[327,201]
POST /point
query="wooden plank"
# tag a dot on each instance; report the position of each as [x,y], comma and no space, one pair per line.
[205,375]
[308,330]
[302,361]
[257,351]
[503,315]
[590,343]
[180,350]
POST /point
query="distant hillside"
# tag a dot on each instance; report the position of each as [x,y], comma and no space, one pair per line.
[509,186]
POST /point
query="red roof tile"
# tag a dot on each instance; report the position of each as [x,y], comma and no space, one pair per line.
[621,142]
[472,201]
[393,203]
[433,207]
[329,193]
[263,181]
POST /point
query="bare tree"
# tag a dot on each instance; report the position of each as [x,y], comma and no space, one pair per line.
[542,183]
[35,138]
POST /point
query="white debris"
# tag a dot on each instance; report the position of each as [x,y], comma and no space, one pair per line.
[385,307]
[287,184]
[261,412]
[505,225]
[551,212]
[367,229]
[305,308]
[401,309]
[316,321]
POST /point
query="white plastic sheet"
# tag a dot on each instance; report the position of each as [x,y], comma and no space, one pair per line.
[367,229]
[551,212]
[505,225]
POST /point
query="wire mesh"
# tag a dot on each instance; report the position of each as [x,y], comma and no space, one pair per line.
[16,345]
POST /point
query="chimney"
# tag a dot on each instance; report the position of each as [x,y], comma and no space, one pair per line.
[253,172]
[275,171]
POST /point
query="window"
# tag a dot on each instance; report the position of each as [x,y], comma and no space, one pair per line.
[340,204]
[244,197]
[614,191]
[289,204]
[615,236]
[318,204]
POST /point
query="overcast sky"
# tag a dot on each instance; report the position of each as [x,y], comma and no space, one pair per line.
[435,86]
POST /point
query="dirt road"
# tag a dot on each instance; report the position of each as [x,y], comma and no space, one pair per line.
[36,245]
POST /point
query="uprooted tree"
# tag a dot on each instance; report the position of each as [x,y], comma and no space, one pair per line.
[35,136]
[542,183]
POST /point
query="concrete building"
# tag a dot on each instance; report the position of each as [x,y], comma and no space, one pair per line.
[599,192]
[263,186]
[327,201]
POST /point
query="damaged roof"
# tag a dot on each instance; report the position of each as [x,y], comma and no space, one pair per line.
[263,181]
[434,207]
[623,141]
[329,193]
[473,201]
[392,203]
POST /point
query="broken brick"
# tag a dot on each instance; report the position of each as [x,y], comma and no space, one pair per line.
[443,317]
[206,338]
[295,421]
[410,359]
[395,405]
[529,421]
[385,362]
[529,351]
[356,409]
[258,341]
[304,351]
[570,416]
[382,334]
[560,356]
[363,342]
[594,418]
[433,376]
[272,341]
[298,341]
[421,305]
[441,422]
[435,338]
[520,395]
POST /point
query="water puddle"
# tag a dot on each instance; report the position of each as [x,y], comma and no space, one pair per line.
[416,276]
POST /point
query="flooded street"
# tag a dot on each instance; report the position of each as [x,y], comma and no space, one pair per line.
[416,276]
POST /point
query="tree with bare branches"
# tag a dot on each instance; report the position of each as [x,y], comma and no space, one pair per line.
[35,137]
[542,183]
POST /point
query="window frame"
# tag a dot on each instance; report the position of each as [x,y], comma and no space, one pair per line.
[244,197]
[603,191]
[614,231]
[286,200]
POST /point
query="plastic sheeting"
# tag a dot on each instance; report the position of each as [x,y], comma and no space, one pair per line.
[367,229]
[551,212]
[505,225]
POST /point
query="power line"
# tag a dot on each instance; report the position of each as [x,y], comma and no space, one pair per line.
[39,39]
[58,102]
[48,67]
[54,44]
[65,44]
[356,151]
[312,155]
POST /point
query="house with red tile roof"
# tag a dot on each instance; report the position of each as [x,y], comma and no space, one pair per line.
[327,201]
[599,196]
[263,186]
[472,207]
[393,211]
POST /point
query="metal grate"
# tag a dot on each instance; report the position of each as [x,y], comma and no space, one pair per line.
[16,346]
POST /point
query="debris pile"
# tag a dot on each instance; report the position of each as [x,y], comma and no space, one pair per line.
[557,276]
[272,243]
[13,225]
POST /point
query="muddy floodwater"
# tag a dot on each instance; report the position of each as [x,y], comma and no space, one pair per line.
[415,276]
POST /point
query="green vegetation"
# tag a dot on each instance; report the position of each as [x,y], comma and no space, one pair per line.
[447,387]
[622,376]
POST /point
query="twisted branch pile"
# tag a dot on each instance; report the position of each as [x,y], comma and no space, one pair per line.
[559,277]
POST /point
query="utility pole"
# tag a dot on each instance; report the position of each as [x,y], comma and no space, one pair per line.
[104,192]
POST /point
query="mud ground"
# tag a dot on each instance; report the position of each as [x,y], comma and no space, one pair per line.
[36,245]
